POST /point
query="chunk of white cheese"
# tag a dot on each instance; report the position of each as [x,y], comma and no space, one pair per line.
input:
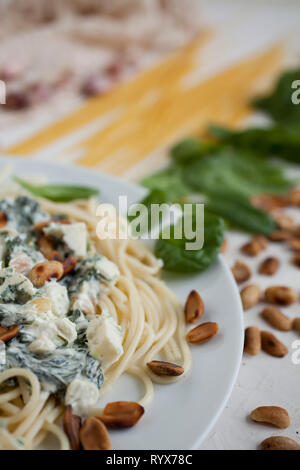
[86,299]
[75,236]
[45,332]
[66,330]
[50,334]
[43,344]
[82,395]
[58,296]
[108,269]
[105,339]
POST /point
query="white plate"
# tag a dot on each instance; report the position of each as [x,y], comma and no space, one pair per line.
[182,414]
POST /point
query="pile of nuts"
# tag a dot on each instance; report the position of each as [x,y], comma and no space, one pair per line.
[92,434]
[193,310]
[276,296]
[278,417]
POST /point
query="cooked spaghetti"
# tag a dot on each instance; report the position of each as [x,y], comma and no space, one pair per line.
[108,314]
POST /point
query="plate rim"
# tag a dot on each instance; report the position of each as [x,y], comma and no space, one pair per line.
[227,395]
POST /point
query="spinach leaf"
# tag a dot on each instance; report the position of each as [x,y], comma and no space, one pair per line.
[57,192]
[241,214]
[235,172]
[57,369]
[77,317]
[227,178]
[93,371]
[175,256]
[155,196]
[12,314]
[191,149]
[278,104]
[23,212]
[275,141]
[169,183]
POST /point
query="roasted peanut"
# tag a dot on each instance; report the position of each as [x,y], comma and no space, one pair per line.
[262,240]
[251,248]
[280,236]
[269,266]
[165,368]
[3,219]
[55,256]
[296,231]
[122,414]
[69,264]
[194,307]
[294,244]
[296,260]
[279,443]
[268,202]
[271,345]
[72,425]
[93,435]
[252,343]
[202,333]
[40,226]
[241,272]
[250,296]
[276,318]
[281,295]
[255,246]
[45,271]
[284,221]
[275,415]
[45,245]
[296,324]
[8,333]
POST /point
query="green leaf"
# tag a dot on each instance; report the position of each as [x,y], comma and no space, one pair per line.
[276,141]
[177,259]
[191,149]
[235,172]
[57,192]
[278,104]
[170,184]
[241,214]
[156,196]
